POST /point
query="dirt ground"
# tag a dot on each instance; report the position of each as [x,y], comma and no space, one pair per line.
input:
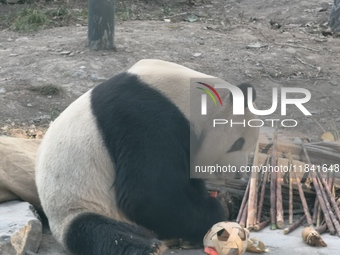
[267,43]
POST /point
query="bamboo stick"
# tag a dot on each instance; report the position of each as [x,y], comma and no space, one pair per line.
[279,208]
[321,229]
[290,221]
[263,190]
[318,218]
[330,196]
[261,225]
[319,195]
[244,216]
[303,201]
[244,201]
[315,211]
[328,208]
[294,225]
[252,201]
[273,184]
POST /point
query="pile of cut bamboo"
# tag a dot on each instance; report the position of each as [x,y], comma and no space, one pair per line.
[299,167]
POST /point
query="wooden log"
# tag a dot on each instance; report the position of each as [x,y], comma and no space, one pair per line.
[252,200]
[321,229]
[294,225]
[315,211]
[261,225]
[244,201]
[244,215]
[273,182]
[319,195]
[251,218]
[330,197]
[262,194]
[290,220]
[279,208]
[303,201]
[328,208]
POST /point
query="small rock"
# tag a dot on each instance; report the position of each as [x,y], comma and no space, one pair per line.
[324,7]
[197,54]
[337,119]
[29,105]
[80,74]
[13,55]
[82,67]
[95,77]
[290,50]
[333,83]
[66,52]
[2,90]
[167,20]
[20,228]
[256,45]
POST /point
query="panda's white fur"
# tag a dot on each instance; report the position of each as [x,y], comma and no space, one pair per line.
[75,173]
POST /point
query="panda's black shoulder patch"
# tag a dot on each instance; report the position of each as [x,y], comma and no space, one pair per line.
[146,135]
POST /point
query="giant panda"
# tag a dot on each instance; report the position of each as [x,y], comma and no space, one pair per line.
[112,171]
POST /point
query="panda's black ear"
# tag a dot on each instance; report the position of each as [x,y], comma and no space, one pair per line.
[244,88]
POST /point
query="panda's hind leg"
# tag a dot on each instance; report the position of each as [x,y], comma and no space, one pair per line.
[93,234]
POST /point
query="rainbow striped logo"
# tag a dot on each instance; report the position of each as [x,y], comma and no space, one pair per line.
[209,90]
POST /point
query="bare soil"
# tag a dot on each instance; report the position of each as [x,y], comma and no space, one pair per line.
[267,43]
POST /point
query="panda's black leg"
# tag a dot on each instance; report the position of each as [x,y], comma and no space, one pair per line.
[186,211]
[94,234]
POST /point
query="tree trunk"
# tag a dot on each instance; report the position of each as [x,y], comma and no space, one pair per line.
[101,24]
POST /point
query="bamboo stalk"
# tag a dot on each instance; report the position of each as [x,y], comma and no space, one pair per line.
[294,225]
[318,218]
[244,201]
[330,196]
[263,190]
[321,229]
[244,215]
[252,201]
[273,184]
[328,208]
[315,211]
[261,225]
[319,195]
[279,208]
[303,201]
[290,221]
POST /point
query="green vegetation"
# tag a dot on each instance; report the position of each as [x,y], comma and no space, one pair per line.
[49,89]
[30,19]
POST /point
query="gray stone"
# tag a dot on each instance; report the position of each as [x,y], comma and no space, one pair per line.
[20,228]
[334,17]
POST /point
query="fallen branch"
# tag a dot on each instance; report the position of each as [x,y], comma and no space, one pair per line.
[261,225]
[295,225]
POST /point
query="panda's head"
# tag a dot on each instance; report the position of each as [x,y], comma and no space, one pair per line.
[228,145]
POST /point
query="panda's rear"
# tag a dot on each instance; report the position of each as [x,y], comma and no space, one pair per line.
[113,169]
